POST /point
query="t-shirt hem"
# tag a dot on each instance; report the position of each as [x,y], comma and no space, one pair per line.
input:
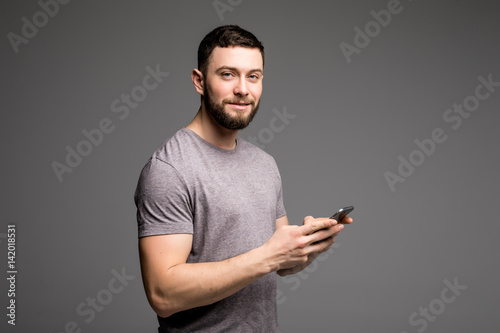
[147,234]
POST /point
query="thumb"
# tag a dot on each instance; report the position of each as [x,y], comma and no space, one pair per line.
[315,226]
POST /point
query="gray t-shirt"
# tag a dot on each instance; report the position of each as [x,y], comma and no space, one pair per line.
[229,200]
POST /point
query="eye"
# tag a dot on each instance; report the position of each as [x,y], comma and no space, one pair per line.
[253,77]
[226,75]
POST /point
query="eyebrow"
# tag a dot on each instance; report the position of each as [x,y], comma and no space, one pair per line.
[236,69]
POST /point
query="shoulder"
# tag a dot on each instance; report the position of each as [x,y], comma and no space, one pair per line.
[175,147]
[167,159]
[257,153]
[163,169]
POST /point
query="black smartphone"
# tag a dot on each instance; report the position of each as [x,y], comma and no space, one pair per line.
[341,213]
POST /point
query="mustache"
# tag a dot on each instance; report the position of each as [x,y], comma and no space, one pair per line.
[239,102]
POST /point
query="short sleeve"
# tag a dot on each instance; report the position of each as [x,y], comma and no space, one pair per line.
[280,207]
[162,201]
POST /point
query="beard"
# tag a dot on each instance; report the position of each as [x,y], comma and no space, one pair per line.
[223,118]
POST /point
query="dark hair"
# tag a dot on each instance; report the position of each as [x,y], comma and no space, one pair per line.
[226,36]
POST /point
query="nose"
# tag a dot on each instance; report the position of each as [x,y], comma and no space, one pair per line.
[241,89]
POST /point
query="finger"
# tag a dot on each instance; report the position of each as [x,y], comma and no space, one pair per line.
[307,220]
[347,220]
[316,225]
[310,219]
[326,219]
[322,219]
[322,245]
[326,233]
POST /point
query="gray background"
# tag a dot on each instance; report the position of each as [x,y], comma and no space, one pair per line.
[352,122]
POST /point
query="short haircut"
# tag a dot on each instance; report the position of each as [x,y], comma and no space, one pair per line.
[225,36]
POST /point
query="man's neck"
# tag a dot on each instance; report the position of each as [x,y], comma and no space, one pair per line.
[207,128]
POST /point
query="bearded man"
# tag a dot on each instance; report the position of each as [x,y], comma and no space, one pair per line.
[213,229]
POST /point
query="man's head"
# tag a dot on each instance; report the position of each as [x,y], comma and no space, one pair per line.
[229,75]
[226,36]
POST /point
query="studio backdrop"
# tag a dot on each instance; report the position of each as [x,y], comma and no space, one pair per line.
[391,106]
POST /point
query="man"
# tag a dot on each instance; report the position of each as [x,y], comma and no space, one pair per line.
[212,225]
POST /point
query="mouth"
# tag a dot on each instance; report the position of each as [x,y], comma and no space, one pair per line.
[240,105]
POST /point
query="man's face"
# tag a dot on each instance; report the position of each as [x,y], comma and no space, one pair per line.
[233,86]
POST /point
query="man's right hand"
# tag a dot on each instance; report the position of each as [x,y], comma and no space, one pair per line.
[291,245]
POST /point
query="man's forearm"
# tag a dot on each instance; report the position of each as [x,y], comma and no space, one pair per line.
[190,285]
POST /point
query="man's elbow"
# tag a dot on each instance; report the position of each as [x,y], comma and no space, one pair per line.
[163,312]
[161,305]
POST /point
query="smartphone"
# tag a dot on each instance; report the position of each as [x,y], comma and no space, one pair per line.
[341,213]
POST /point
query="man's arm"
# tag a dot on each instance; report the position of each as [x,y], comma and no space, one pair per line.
[172,285]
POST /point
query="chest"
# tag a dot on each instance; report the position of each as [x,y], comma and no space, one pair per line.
[234,207]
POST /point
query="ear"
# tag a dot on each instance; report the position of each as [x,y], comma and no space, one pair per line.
[198,80]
